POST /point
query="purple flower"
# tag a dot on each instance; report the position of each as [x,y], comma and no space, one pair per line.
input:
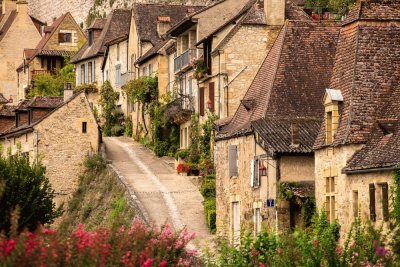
[380,251]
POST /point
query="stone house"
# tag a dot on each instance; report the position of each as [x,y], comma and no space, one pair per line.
[115,66]
[60,40]
[58,131]
[229,39]
[267,146]
[15,25]
[88,60]
[357,148]
[147,44]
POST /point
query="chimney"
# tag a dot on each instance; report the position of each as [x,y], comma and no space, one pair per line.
[163,25]
[8,6]
[22,7]
[274,12]
[68,92]
[295,134]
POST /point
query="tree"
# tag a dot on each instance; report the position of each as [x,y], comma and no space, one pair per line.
[112,117]
[53,85]
[26,189]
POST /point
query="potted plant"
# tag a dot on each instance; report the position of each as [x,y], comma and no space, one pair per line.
[193,169]
[183,168]
[200,69]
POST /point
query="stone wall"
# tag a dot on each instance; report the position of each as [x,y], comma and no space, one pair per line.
[328,163]
[59,142]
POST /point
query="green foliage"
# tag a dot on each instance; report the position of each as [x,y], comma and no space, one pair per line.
[52,85]
[100,199]
[314,246]
[195,134]
[128,127]
[208,191]
[208,188]
[182,154]
[395,214]
[200,69]
[340,7]
[26,188]
[112,118]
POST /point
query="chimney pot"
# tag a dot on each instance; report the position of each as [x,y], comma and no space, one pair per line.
[68,92]
[274,12]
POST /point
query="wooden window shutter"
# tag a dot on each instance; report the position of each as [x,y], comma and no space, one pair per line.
[201,101]
[385,201]
[233,170]
[212,96]
[372,211]
[79,74]
[61,37]
[257,172]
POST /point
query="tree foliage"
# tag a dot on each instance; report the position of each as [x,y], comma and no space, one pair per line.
[112,117]
[27,189]
[53,85]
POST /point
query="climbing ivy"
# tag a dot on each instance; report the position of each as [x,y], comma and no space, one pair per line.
[112,118]
[396,197]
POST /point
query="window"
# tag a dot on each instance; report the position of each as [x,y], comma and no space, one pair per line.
[42,62]
[118,74]
[144,71]
[84,127]
[233,161]
[236,222]
[65,37]
[255,173]
[118,52]
[201,101]
[91,35]
[186,138]
[329,128]
[355,204]
[207,54]
[83,74]
[385,201]
[90,72]
[330,204]
[372,208]
[211,97]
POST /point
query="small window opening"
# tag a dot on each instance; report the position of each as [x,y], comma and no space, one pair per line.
[84,127]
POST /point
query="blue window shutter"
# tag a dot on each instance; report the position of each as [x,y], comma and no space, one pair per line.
[94,71]
[79,75]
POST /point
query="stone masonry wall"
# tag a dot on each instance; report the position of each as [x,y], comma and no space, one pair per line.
[59,142]
[330,162]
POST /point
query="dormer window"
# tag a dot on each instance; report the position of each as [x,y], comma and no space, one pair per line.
[90,38]
[332,100]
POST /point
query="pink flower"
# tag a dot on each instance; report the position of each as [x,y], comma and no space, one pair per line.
[380,251]
[339,250]
[148,263]
[163,264]
[261,265]
[315,243]
[8,247]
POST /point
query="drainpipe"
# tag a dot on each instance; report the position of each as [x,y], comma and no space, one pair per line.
[219,84]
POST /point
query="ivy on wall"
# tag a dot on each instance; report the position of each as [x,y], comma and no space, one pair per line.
[112,119]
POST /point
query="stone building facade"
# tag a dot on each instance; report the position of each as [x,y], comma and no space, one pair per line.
[60,40]
[15,25]
[357,147]
[60,137]
[266,147]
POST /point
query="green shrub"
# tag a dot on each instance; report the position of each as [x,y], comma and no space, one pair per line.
[27,190]
[208,188]
[212,219]
[128,127]
[183,153]
[161,148]
[95,163]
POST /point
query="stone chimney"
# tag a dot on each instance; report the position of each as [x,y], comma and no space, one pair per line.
[22,7]
[163,25]
[8,6]
[68,92]
[274,12]
[295,134]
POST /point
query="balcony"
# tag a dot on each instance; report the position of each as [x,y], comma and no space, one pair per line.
[182,62]
[180,110]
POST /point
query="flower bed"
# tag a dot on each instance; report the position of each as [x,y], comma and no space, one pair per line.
[138,246]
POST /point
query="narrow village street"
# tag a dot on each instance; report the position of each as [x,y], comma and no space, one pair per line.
[165,196]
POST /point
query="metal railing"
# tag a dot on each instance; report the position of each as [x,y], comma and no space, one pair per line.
[180,109]
[183,60]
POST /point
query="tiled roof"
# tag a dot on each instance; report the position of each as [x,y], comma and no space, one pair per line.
[292,79]
[3,100]
[277,135]
[97,24]
[303,189]
[382,149]
[152,52]
[374,10]
[117,24]
[367,73]
[146,16]
[8,111]
[46,102]
[55,53]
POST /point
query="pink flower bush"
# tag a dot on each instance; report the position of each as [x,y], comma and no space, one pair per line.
[138,246]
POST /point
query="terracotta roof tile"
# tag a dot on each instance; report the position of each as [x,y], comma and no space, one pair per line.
[8,111]
[367,73]
[292,78]
[46,102]
[117,24]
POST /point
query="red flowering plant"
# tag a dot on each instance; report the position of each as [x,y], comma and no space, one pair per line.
[138,246]
[200,68]
[183,168]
